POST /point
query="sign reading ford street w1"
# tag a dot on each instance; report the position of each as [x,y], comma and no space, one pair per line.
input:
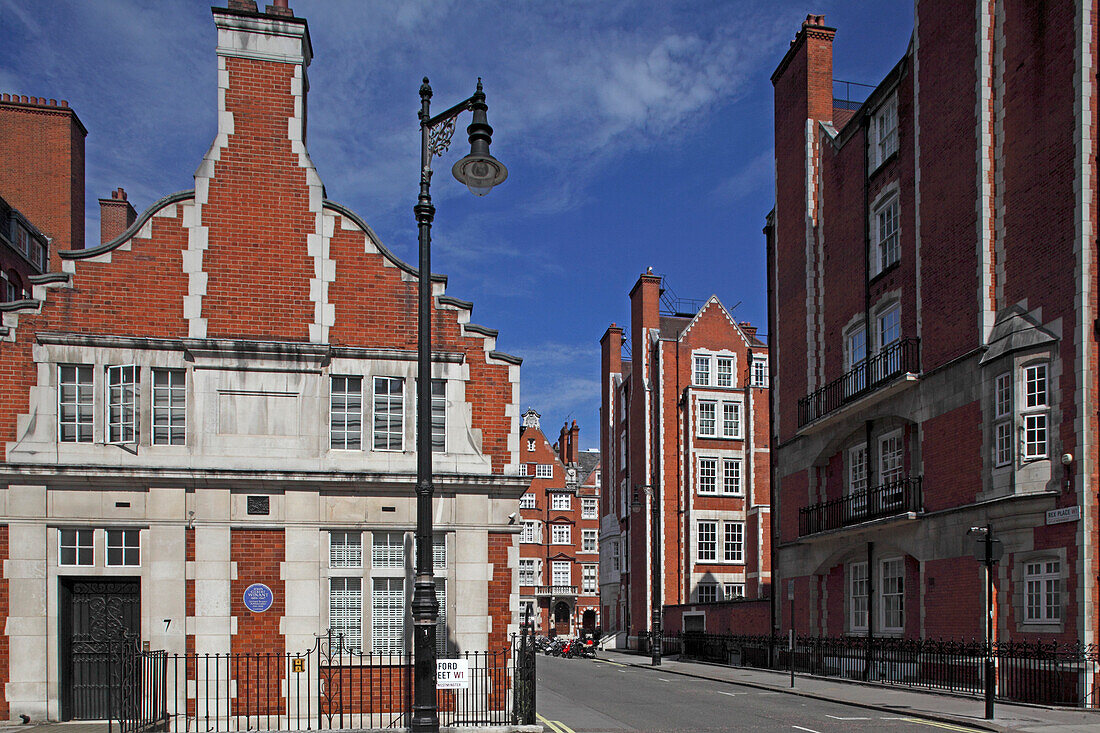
[452,674]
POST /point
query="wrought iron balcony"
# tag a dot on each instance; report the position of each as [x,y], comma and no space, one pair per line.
[555,590]
[900,357]
[887,500]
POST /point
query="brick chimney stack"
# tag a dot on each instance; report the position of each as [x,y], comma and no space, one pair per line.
[116,214]
[42,167]
[567,443]
[749,329]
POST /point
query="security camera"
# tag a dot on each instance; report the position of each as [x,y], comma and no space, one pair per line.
[512,518]
[1067,458]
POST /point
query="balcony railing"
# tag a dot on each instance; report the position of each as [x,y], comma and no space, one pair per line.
[555,590]
[900,357]
[888,500]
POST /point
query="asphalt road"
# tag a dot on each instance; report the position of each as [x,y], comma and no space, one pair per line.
[580,695]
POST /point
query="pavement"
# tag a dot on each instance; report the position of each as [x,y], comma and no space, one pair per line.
[956,712]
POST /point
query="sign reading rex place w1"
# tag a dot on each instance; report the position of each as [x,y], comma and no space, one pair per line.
[1065,514]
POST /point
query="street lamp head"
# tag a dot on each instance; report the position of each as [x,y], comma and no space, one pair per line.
[479,170]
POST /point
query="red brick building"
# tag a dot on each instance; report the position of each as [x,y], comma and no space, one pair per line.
[559,551]
[220,396]
[684,421]
[932,289]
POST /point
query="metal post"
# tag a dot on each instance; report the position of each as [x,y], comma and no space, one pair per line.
[655,659]
[425,717]
[790,634]
[990,683]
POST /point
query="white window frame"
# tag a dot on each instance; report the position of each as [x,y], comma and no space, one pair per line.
[856,472]
[711,593]
[732,591]
[700,370]
[857,587]
[884,132]
[345,609]
[439,415]
[561,534]
[80,549]
[590,507]
[561,569]
[527,501]
[345,549]
[706,540]
[892,594]
[544,470]
[81,406]
[128,543]
[708,419]
[724,371]
[532,532]
[530,445]
[1043,591]
[527,571]
[891,457]
[759,376]
[1035,411]
[732,477]
[387,615]
[733,542]
[1003,422]
[383,404]
[615,556]
[885,232]
[344,412]
[169,407]
[732,424]
[708,475]
[560,501]
[121,404]
[590,578]
[590,540]
[387,550]
[855,359]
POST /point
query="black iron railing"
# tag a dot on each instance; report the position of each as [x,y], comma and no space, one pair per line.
[887,500]
[900,357]
[1044,673]
[332,686]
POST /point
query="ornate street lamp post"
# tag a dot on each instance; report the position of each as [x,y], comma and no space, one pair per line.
[480,171]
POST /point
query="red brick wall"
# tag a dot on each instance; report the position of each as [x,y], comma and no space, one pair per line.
[258,554]
[500,590]
[948,180]
[724,617]
[42,168]
[952,476]
[953,599]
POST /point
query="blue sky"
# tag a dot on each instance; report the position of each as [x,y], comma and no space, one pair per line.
[637,134]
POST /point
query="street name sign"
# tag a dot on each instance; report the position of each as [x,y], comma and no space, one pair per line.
[452,674]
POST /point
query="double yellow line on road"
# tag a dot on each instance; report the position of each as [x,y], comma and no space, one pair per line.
[555,725]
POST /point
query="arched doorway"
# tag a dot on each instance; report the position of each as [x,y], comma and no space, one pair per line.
[561,618]
[588,620]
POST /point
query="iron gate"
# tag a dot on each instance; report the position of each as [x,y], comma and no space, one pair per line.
[99,626]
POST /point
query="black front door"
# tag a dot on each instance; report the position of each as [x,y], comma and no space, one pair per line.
[98,616]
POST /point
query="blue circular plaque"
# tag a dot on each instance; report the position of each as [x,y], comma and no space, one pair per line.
[258,598]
